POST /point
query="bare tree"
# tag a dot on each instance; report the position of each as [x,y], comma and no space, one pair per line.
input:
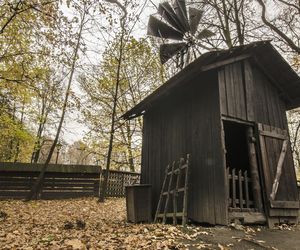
[113,115]
[286,25]
[232,21]
[37,184]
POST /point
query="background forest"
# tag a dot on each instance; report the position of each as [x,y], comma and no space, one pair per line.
[70,68]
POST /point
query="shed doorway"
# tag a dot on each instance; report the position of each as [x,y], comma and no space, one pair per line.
[238,170]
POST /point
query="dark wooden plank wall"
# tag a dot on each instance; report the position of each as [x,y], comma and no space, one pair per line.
[268,107]
[189,122]
[247,94]
[232,91]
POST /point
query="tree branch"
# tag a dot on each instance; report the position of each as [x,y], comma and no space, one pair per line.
[289,41]
[120,5]
[19,9]
[290,4]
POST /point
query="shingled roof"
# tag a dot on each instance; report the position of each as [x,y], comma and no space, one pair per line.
[264,55]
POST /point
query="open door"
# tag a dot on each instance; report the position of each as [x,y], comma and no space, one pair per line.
[243,184]
[277,169]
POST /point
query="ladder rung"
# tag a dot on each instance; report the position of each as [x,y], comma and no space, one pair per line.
[171,192]
[178,169]
[170,215]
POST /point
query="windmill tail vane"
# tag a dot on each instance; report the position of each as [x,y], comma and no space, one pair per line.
[179,24]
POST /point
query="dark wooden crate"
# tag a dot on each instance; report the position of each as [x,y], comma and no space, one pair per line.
[138,203]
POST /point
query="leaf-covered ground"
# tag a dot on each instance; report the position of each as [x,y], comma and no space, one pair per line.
[87,224]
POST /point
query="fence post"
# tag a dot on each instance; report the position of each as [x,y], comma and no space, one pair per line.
[100,182]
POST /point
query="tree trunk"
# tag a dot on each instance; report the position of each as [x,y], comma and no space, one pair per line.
[18,141]
[34,191]
[103,187]
[38,143]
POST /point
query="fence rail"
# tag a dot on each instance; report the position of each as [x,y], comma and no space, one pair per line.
[61,181]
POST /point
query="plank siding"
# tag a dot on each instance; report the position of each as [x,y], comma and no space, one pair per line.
[269,109]
[232,91]
[189,122]
[247,94]
[287,190]
[249,89]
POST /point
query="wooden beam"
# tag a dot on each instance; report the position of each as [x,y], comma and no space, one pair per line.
[225,62]
[232,119]
[240,189]
[233,188]
[273,135]
[284,204]
[254,170]
[246,186]
[249,217]
[279,169]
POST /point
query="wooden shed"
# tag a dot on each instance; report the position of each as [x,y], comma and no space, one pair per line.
[227,109]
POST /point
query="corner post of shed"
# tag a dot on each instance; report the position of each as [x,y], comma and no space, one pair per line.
[254,170]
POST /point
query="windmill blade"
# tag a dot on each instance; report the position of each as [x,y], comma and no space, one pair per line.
[166,51]
[160,29]
[167,12]
[205,34]
[195,16]
[180,10]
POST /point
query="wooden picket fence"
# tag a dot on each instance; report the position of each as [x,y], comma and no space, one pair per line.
[61,181]
[239,190]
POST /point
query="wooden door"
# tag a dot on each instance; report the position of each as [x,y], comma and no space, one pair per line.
[277,170]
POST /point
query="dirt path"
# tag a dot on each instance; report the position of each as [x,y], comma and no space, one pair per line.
[249,238]
[88,224]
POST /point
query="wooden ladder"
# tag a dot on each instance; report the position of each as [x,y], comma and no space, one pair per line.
[172,172]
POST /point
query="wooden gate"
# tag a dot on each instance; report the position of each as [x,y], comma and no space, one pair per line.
[279,178]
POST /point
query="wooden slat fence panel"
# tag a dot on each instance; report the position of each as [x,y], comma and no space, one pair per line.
[239,188]
[16,182]
[117,181]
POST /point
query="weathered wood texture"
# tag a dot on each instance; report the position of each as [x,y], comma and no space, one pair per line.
[254,169]
[271,143]
[238,189]
[247,94]
[262,53]
[188,122]
[179,175]
[138,203]
[298,184]
[61,181]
